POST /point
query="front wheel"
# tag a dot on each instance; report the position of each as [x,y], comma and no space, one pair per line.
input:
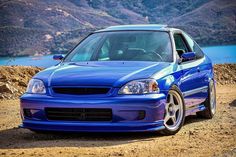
[210,103]
[174,112]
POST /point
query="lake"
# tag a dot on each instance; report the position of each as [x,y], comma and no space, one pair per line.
[218,55]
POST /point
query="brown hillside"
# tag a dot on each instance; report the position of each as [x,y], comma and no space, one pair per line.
[54,26]
[14,80]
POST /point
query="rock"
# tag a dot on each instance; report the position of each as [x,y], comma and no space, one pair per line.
[15,79]
[5,88]
[3,77]
[22,83]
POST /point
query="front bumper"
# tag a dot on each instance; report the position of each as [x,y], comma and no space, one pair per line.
[125,111]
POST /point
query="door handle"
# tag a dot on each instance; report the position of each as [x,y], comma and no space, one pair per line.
[198,69]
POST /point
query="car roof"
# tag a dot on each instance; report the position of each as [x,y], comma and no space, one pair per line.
[141,27]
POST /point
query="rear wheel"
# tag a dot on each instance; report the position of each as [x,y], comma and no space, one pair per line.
[174,112]
[210,103]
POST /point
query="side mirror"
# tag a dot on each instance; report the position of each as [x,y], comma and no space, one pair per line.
[58,57]
[188,56]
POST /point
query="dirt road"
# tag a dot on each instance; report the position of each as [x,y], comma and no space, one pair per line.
[198,137]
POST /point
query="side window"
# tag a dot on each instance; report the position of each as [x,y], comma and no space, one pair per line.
[194,47]
[180,44]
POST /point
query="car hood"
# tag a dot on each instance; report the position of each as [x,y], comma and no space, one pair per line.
[113,74]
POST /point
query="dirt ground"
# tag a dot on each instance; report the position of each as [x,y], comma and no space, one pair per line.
[198,137]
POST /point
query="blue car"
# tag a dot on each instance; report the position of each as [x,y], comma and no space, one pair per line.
[130,78]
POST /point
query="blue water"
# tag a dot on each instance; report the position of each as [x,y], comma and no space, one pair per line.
[221,54]
[218,54]
[44,61]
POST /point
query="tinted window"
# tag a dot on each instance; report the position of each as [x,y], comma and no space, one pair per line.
[124,46]
[180,44]
[194,47]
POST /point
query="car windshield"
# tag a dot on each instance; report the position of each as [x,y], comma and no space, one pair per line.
[124,46]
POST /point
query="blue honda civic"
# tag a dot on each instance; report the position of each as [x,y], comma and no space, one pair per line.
[130,78]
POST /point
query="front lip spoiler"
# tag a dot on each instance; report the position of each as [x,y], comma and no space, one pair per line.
[93,127]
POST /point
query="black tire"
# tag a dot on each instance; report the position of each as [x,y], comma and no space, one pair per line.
[168,131]
[209,112]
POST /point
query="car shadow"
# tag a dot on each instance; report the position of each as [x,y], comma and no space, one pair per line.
[22,138]
[233,103]
[16,138]
[193,119]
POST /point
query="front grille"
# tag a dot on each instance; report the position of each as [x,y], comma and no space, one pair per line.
[80,91]
[79,114]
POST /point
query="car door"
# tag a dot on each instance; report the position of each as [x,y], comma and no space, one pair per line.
[190,73]
[203,66]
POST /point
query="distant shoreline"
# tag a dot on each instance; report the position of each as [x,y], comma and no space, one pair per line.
[13,56]
[218,45]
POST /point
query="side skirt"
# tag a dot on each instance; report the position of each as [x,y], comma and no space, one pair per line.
[195,91]
[194,109]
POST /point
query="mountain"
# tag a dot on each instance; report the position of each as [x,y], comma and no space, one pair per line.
[36,27]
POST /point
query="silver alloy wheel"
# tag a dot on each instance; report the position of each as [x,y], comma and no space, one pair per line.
[212,93]
[173,111]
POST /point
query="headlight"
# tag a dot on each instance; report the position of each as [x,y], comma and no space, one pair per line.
[36,86]
[144,86]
